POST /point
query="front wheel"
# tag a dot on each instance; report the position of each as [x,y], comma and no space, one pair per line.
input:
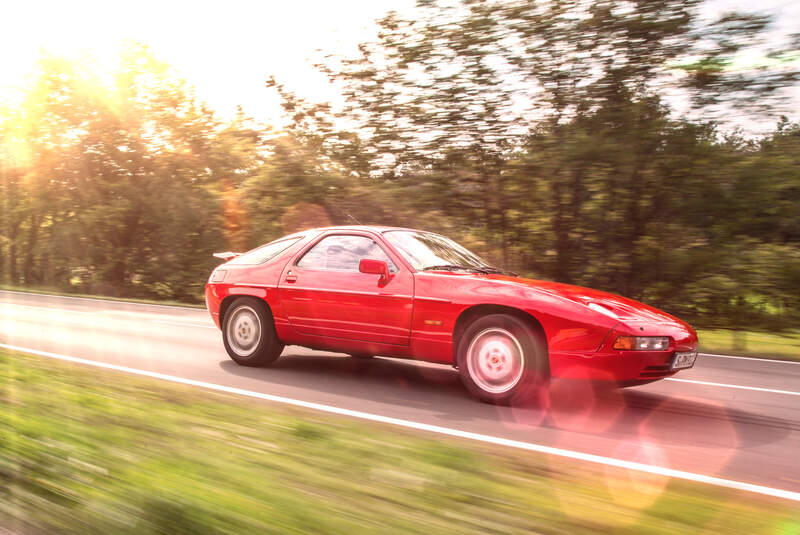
[248,333]
[501,360]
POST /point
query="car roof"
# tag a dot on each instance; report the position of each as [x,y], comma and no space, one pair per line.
[373,228]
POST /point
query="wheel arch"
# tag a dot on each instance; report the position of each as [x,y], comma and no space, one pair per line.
[229,299]
[474,312]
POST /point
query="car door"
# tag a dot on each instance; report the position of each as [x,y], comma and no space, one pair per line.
[323,293]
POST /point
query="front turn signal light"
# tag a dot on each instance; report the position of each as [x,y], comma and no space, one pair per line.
[642,343]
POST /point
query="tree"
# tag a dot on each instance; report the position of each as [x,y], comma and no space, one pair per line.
[541,128]
[118,189]
[442,102]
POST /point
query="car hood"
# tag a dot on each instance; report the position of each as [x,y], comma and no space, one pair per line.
[615,306]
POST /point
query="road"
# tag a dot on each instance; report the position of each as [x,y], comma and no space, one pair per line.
[745,427]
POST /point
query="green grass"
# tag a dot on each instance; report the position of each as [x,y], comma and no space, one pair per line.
[56,291]
[751,343]
[90,451]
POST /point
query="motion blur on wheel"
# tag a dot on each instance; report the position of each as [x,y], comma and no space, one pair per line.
[405,293]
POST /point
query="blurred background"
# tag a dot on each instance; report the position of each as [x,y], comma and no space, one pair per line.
[648,148]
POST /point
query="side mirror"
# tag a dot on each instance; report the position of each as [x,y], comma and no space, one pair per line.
[375,267]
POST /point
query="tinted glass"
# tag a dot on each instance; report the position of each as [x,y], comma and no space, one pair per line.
[343,253]
[423,249]
[265,252]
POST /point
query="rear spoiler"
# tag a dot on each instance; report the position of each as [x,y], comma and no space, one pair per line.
[226,255]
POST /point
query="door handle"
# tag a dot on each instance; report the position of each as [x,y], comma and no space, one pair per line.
[291,277]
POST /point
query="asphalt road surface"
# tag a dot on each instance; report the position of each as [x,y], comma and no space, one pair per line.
[745,427]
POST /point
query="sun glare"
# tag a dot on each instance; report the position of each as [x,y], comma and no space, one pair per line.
[225,51]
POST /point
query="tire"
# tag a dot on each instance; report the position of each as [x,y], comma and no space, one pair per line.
[362,356]
[248,332]
[502,361]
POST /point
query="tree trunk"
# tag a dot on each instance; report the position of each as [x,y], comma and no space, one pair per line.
[12,253]
[560,231]
[33,236]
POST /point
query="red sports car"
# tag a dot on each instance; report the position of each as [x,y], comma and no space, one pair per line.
[397,292]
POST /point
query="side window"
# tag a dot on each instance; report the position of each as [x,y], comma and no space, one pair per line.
[343,253]
[265,252]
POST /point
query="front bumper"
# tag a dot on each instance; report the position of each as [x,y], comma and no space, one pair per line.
[619,366]
[631,367]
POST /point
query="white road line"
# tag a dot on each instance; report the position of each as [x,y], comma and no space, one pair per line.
[4,309]
[207,326]
[540,448]
[100,299]
[141,314]
[203,308]
[749,358]
[51,309]
[185,324]
[742,387]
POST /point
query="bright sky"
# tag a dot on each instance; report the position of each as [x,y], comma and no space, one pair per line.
[227,49]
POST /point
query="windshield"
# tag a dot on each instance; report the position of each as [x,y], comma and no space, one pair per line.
[424,250]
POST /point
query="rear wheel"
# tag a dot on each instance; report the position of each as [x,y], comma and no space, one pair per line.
[501,360]
[248,333]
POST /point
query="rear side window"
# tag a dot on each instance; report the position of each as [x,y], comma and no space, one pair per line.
[265,252]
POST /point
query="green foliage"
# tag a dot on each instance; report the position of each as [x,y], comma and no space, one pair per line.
[537,133]
[785,345]
[111,189]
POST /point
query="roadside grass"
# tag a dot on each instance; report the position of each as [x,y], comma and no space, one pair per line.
[43,290]
[751,343]
[93,451]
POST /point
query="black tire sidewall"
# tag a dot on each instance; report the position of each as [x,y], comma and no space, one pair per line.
[269,346]
[534,355]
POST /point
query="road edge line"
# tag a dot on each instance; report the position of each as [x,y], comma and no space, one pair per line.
[120,301]
[741,387]
[199,307]
[528,446]
[738,357]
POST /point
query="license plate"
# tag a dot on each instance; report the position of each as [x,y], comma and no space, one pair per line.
[684,360]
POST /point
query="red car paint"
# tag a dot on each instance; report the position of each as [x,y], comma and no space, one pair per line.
[415,314]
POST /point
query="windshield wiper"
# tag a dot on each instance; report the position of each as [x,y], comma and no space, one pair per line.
[485,270]
[490,269]
[447,267]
